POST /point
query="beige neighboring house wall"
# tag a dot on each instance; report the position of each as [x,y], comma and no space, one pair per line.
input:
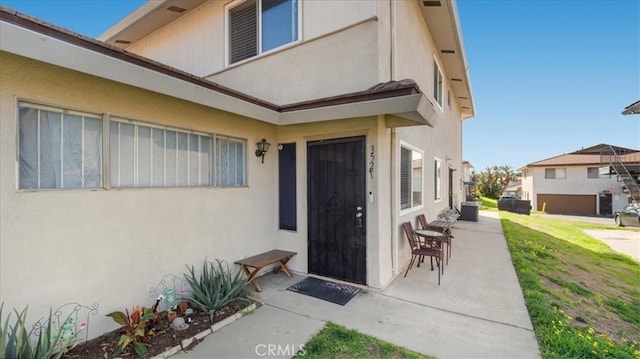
[109,245]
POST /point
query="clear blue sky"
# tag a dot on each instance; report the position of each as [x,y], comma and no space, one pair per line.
[549,76]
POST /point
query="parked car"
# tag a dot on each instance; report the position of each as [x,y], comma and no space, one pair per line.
[509,196]
[628,216]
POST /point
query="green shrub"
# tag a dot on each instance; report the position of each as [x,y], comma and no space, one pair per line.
[136,329]
[215,287]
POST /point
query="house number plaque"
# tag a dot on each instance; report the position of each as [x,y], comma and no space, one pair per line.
[372,155]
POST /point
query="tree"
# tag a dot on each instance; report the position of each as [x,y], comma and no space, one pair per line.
[493,180]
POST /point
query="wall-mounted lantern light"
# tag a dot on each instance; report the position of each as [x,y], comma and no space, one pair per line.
[263,147]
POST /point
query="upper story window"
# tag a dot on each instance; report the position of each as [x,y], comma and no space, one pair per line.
[555,173]
[437,83]
[410,178]
[257,26]
[59,148]
[593,172]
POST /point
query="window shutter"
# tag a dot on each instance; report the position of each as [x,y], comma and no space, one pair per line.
[405,178]
[243,34]
[287,186]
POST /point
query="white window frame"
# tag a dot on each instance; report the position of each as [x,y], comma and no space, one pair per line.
[136,149]
[437,179]
[555,173]
[412,206]
[104,154]
[216,179]
[438,91]
[62,111]
[227,23]
[590,170]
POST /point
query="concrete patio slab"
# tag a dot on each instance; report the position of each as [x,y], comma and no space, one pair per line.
[477,312]
[623,241]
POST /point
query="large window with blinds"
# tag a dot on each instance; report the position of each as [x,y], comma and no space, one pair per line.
[257,26]
[58,148]
[411,184]
[143,155]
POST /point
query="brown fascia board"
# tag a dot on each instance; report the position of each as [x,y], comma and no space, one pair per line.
[385,90]
[380,91]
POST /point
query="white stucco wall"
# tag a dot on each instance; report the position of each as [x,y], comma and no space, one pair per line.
[330,54]
[111,246]
[576,182]
[339,63]
[94,245]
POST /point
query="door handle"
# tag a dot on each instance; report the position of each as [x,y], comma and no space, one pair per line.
[358,217]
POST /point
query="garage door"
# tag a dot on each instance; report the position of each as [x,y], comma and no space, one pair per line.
[567,203]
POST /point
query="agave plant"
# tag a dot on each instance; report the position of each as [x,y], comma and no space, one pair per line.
[216,286]
[16,342]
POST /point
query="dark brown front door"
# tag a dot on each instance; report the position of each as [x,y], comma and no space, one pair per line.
[336,209]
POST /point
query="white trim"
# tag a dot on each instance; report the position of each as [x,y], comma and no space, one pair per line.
[398,170]
[260,52]
[437,180]
[437,63]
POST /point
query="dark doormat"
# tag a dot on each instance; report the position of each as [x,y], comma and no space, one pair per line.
[332,292]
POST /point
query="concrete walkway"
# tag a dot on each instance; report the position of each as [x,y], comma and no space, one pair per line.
[477,312]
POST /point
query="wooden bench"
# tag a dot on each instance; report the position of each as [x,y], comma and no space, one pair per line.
[252,265]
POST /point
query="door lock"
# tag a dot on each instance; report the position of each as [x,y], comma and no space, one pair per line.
[358,217]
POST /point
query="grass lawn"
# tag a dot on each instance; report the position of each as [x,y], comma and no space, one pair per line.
[583,298]
[335,341]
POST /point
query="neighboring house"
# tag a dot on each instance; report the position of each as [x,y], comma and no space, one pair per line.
[514,188]
[117,169]
[583,182]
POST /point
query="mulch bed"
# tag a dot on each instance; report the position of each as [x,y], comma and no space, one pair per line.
[104,345]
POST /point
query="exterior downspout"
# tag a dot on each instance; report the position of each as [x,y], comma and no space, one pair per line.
[392,192]
[392,43]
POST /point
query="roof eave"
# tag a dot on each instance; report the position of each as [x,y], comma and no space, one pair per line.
[147,19]
[444,25]
[633,109]
[415,109]
[25,36]
[27,43]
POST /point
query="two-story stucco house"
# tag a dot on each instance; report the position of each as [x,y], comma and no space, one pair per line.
[575,183]
[127,158]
